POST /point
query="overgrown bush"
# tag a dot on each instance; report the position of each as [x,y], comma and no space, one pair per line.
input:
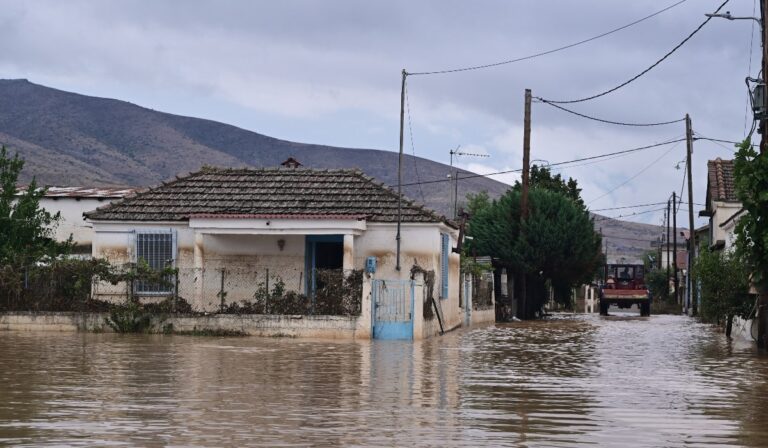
[338,293]
[56,285]
[724,282]
[657,282]
[130,317]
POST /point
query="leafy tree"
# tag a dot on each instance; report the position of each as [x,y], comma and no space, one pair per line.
[751,179]
[26,229]
[724,280]
[541,177]
[557,243]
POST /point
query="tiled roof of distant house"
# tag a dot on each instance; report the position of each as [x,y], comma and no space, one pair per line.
[720,181]
[286,192]
[84,192]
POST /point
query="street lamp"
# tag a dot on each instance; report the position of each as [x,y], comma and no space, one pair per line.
[728,16]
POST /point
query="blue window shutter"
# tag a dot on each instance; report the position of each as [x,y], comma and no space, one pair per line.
[444,251]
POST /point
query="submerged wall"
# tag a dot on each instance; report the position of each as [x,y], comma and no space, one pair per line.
[335,327]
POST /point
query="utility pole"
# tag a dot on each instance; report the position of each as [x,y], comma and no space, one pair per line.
[762,309]
[674,246]
[526,185]
[692,238]
[400,169]
[669,223]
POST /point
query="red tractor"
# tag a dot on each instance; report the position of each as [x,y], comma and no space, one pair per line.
[625,286]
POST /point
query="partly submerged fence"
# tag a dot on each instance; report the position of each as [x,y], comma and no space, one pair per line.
[94,285]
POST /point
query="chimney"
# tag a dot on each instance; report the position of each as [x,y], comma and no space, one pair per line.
[291,163]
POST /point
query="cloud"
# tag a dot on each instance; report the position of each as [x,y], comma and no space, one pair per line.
[301,64]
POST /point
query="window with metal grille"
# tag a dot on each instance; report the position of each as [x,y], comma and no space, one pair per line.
[158,250]
[445,250]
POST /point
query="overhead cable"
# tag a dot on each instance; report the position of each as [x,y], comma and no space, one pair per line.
[603,218]
[627,206]
[636,175]
[634,78]
[413,147]
[601,120]
[544,53]
[626,151]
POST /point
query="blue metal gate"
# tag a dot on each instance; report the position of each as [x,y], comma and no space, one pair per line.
[393,309]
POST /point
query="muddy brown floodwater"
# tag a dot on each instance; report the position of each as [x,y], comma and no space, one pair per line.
[569,381]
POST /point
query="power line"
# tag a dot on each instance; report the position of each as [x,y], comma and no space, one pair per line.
[413,148]
[601,120]
[629,238]
[636,175]
[544,53]
[626,151]
[603,218]
[634,78]
[718,141]
[627,206]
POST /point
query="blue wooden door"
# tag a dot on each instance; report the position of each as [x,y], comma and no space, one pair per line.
[393,309]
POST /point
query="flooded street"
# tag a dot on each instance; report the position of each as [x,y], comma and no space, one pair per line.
[572,380]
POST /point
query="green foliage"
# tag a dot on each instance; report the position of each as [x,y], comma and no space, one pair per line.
[724,282]
[557,242]
[130,317]
[26,229]
[751,182]
[57,285]
[650,260]
[658,284]
[542,178]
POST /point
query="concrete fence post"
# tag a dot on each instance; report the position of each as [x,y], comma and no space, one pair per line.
[418,306]
[364,328]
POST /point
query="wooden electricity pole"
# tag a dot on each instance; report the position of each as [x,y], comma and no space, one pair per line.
[400,169]
[524,194]
[690,285]
[669,224]
[674,246]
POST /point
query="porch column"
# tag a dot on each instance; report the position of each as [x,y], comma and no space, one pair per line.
[198,269]
[348,262]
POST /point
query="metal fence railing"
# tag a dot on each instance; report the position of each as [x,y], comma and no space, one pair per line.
[92,285]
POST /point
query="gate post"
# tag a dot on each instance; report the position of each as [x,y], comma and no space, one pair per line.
[418,306]
[364,327]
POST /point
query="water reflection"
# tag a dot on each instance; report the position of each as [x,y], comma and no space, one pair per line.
[571,380]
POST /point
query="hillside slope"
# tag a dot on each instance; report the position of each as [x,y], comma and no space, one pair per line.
[70,139]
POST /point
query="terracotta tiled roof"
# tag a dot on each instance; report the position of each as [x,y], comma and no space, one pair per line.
[720,181]
[243,192]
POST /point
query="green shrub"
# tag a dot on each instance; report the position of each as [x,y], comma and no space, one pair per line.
[129,318]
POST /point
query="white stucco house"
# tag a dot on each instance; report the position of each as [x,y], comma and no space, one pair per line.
[232,229]
[71,203]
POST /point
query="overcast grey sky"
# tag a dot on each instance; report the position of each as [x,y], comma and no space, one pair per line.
[329,72]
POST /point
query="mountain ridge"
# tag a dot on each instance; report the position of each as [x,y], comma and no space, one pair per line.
[69,139]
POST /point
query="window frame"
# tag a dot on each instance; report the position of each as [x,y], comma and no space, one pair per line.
[141,288]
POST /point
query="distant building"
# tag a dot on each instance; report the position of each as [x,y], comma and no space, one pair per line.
[72,202]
